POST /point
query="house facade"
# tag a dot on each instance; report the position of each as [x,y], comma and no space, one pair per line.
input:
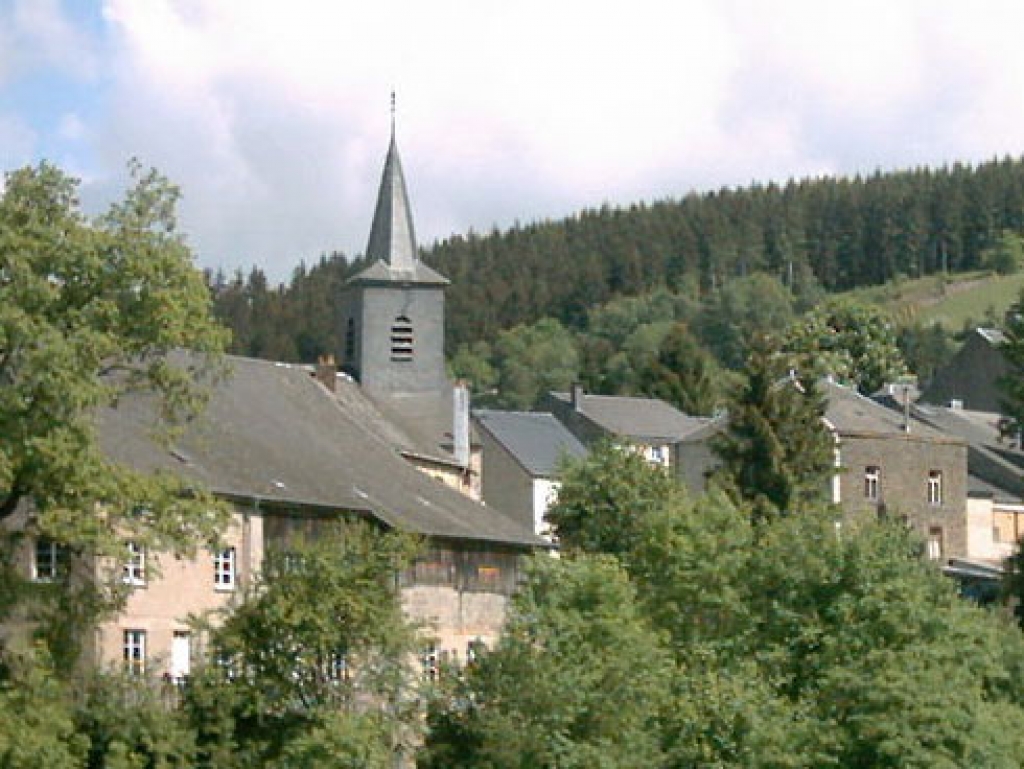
[885,467]
[522,454]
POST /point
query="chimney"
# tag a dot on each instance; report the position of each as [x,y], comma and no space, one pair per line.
[577,396]
[327,372]
[460,423]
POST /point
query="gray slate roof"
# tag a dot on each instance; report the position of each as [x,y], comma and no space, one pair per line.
[272,433]
[995,466]
[647,419]
[535,439]
[853,414]
[392,248]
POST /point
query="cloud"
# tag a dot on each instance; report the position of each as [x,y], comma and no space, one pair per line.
[274,121]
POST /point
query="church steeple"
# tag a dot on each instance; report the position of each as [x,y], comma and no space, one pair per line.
[393,309]
[391,250]
[392,236]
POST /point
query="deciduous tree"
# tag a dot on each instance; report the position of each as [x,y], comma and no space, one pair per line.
[90,309]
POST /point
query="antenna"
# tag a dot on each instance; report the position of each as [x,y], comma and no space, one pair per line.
[392,113]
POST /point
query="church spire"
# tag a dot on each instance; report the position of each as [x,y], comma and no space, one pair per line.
[392,236]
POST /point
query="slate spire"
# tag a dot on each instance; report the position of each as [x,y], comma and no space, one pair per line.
[392,236]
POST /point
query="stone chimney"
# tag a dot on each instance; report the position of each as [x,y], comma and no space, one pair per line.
[460,423]
[327,372]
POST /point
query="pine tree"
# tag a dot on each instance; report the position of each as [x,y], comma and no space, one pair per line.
[777,454]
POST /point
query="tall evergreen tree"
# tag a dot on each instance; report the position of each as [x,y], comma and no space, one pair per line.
[776,452]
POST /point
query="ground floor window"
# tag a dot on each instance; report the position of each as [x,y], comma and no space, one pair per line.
[934,544]
[872,481]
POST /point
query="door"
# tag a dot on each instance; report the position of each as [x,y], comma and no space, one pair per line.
[181,654]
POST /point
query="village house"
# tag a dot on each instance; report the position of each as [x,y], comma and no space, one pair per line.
[522,454]
[652,425]
[995,495]
[886,466]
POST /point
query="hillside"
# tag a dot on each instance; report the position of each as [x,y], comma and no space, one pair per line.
[813,236]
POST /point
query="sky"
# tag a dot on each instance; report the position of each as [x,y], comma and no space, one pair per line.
[274,117]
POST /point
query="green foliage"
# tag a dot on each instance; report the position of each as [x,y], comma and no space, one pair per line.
[578,679]
[1012,382]
[472,364]
[796,641]
[777,455]
[684,374]
[739,312]
[319,646]
[532,360]
[132,723]
[854,343]
[604,500]
[926,349]
[37,728]
[1006,255]
[89,311]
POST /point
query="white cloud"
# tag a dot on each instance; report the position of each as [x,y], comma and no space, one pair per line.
[274,120]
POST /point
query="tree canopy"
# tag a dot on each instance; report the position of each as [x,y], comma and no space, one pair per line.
[786,641]
[90,309]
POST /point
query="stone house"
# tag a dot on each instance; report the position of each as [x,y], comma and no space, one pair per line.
[995,499]
[521,455]
[885,466]
[651,424]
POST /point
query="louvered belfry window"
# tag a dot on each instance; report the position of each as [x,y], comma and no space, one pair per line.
[401,339]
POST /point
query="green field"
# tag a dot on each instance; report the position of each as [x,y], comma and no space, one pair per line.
[978,298]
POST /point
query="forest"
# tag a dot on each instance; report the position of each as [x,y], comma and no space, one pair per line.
[706,260]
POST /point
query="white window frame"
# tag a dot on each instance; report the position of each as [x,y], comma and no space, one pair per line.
[872,483]
[935,487]
[134,651]
[51,565]
[134,569]
[225,569]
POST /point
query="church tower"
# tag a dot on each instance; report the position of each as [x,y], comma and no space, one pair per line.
[393,311]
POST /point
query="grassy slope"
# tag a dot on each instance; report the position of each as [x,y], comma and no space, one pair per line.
[967,298]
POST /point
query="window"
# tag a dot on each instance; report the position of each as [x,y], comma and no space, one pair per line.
[872,478]
[935,487]
[934,544]
[135,651]
[658,455]
[224,569]
[337,667]
[401,339]
[429,663]
[50,560]
[134,572]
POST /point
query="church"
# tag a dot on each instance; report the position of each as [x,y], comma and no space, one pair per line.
[385,440]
